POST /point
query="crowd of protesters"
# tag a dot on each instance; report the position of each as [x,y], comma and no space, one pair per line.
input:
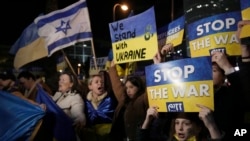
[112,110]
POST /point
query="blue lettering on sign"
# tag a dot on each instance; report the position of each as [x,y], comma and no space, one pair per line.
[175,106]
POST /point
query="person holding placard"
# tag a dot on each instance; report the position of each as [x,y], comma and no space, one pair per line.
[227,96]
[244,30]
[185,126]
[244,65]
[132,105]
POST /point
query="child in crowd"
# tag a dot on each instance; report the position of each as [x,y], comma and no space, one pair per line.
[184,126]
[225,96]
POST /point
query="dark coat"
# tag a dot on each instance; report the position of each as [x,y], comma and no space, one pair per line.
[127,114]
[245,82]
[228,106]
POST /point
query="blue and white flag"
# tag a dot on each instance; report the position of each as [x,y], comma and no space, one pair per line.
[65,27]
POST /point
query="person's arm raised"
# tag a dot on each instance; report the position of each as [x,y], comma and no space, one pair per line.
[152,113]
[245,49]
[206,116]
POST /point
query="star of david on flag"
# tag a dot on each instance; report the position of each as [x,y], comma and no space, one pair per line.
[65,27]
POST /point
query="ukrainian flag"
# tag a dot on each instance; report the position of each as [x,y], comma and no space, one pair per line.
[19,118]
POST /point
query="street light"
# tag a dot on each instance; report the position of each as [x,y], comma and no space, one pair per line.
[123,7]
[79,68]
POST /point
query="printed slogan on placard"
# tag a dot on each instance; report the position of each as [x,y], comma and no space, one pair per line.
[177,86]
[134,38]
[215,32]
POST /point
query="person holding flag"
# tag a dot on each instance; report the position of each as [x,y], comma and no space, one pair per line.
[29,82]
[69,99]
[65,115]
[8,83]
[100,106]
[20,117]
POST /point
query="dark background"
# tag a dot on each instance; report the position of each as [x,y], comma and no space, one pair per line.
[17,15]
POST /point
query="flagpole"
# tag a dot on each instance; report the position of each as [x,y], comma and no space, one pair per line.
[93,51]
[67,60]
[172,10]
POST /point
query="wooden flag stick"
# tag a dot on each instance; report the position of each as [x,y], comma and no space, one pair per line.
[93,51]
[67,60]
[172,10]
[74,73]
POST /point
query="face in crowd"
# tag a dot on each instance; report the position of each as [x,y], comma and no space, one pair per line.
[131,89]
[26,83]
[96,85]
[218,75]
[5,84]
[134,87]
[186,126]
[65,83]
[6,80]
[183,129]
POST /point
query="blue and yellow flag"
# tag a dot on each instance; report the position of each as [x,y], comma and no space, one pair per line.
[55,122]
[29,47]
[18,117]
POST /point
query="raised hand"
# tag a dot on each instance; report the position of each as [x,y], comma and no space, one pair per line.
[206,115]
[221,59]
[157,58]
[152,113]
[167,48]
[239,27]
[112,64]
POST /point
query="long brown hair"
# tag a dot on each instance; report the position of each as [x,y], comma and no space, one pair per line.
[139,83]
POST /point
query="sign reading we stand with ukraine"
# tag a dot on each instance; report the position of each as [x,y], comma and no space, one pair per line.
[177,86]
[134,38]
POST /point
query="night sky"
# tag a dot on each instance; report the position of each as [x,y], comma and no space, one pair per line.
[17,15]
